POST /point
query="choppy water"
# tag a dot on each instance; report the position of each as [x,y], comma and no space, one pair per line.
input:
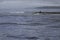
[33,27]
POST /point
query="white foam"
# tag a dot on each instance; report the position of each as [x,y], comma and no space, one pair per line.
[37,14]
[17,12]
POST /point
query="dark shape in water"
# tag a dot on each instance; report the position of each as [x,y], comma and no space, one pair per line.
[40,11]
[20,37]
[31,37]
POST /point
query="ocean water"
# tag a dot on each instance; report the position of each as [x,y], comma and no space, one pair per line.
[33,27]
[30,27]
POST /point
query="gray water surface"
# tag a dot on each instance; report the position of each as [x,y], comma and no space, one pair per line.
[33,27]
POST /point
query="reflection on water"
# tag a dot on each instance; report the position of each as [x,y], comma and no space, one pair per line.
[33,27]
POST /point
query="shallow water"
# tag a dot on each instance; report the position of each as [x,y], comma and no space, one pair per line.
[33,27]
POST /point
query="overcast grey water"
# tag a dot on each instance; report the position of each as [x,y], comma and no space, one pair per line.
[33,27]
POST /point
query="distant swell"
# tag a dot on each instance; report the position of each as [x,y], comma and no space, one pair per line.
[30,24]
[54,26]
[12,24]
